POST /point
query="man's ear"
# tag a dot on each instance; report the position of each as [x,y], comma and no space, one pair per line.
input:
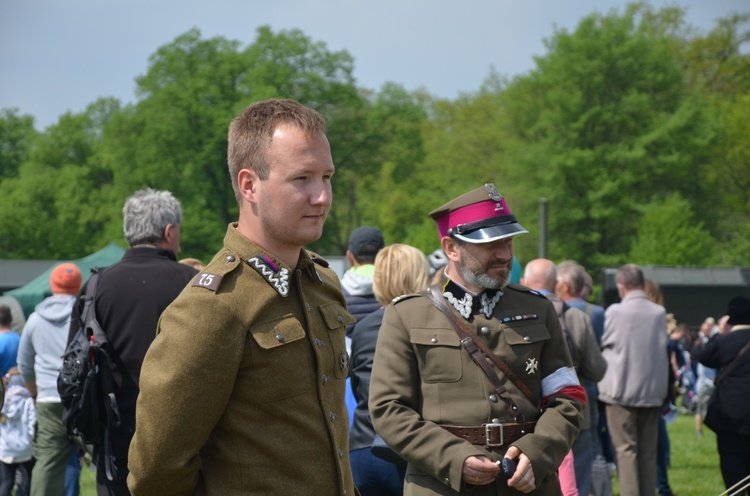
[450,247]
[247,182]
[168,233]
[620,289]
[351,258]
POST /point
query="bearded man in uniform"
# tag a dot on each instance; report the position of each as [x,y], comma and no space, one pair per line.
[453,419]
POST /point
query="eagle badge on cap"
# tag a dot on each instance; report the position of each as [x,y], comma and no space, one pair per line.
[495,196]
[492,191]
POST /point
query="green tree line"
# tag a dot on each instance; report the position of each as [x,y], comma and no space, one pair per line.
[634,126]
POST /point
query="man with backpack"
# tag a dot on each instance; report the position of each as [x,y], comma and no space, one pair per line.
[129,299]
[541,275]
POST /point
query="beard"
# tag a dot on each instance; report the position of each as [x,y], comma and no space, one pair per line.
[476,275]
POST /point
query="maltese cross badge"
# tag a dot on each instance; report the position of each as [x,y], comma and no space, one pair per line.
[531,366]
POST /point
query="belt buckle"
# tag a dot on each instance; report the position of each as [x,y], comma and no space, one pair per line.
[488,434]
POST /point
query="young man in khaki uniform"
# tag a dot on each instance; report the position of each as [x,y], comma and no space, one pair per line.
[242,391]
[436,407]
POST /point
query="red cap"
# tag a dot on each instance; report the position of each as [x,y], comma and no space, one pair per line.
[479,216]
[65,278]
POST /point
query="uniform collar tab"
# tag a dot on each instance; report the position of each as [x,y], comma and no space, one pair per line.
[469,304]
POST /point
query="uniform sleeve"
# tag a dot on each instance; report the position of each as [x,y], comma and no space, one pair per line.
[186,382]
[394,406]
[593,365]
[563,402]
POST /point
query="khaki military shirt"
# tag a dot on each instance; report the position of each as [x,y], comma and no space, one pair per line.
[422,378]
[242,391]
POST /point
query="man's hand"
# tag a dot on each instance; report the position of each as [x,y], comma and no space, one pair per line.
[479,471]
[523,479]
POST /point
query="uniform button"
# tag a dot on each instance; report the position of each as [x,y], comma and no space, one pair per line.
[495,420]
[332,416]
[230,258]
[340,452]
[340,319]
[324,378]
[447,481]
[433,340]
[318,342]
[493,398]
[279,337]
[485,331]
[526,338]
[308,306]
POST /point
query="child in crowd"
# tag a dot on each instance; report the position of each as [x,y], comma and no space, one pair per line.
[17,424]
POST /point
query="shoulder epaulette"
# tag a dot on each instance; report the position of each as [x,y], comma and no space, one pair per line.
[401,298]
[318,259]
[210,277]
[524,289]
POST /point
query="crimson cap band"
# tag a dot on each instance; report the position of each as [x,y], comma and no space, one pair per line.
[479,216]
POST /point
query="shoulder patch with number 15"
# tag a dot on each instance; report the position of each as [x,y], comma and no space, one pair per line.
[208,281]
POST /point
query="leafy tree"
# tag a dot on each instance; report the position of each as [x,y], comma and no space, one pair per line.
[385,182]
[17,134]
[175,137]
[633,126]
[670,234]
[731,173]
[57,206]
[718,63]
[602,125]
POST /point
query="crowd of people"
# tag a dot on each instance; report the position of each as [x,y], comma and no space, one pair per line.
[466,377]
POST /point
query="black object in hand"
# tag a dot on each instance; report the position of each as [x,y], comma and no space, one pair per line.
[508,466]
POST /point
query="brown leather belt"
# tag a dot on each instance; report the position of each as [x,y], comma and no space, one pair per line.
[493,434]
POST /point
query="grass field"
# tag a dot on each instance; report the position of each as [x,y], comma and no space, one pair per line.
[694,470]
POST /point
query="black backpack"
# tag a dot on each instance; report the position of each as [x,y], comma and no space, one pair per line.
[86,381]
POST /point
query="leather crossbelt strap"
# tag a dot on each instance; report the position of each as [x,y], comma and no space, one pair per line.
[491,435]
[474,346]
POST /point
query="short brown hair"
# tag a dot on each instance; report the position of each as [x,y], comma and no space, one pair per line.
[251,132]
[572,273]
[399,269]
[630,276]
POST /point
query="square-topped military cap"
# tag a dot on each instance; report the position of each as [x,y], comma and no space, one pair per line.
[479,216]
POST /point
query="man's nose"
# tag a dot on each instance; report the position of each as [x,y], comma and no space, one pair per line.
[322,195]
[503,250]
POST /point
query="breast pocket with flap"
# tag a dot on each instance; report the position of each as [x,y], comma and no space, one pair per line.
[438,353]
[282,360]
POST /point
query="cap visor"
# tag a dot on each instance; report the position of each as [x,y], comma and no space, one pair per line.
[492,233]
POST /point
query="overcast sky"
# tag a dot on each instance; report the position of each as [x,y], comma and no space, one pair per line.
[61,55]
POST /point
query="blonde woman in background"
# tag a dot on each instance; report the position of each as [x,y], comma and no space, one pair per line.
[399,269]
